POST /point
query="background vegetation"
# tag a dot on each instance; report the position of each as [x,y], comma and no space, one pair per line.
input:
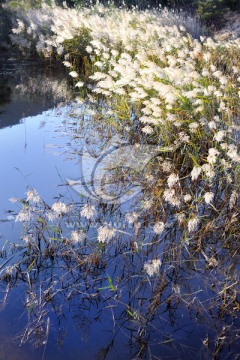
[210,11]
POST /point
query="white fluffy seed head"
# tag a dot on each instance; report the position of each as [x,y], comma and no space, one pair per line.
[158,227]
[208,197]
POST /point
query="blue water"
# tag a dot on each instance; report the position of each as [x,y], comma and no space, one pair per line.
[40,143]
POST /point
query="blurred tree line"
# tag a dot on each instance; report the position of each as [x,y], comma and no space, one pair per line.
[210,11]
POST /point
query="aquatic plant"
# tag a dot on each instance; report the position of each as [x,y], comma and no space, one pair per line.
[156,84]
[147,276]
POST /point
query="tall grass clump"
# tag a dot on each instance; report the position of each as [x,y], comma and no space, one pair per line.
[183,92]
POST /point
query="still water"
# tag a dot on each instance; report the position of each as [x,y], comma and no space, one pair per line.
[91,301]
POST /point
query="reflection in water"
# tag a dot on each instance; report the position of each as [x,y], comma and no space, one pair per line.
[132,288]
[5,91]
[27,89]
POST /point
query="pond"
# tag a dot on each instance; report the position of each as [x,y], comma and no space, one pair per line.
[85,271]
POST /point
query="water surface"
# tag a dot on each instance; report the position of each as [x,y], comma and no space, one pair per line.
[89,300]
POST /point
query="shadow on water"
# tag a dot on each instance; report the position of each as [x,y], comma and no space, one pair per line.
[96,280]
[5,92]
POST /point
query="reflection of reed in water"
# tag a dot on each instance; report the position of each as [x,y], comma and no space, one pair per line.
[29,88]
[50,89]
